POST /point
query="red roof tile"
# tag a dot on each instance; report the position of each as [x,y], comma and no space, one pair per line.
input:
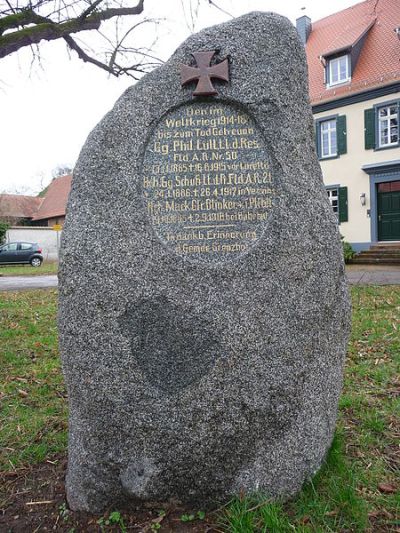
[55,201]
[378,63]
[18,205]
[349,36]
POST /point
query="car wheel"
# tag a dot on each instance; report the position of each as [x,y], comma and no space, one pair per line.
[36,261]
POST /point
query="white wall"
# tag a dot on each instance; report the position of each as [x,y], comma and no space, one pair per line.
[45,237]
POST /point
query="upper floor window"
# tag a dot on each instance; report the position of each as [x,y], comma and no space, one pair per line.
[338,70]
[388,125]
[381,126]
[331,136]
[328,138]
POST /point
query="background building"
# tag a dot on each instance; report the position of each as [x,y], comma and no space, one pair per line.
[53,207]
[18,209]
[47,209]
[354,74]
[32,218]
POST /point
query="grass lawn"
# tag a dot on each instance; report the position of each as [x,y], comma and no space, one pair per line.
[356,490]
[28,270]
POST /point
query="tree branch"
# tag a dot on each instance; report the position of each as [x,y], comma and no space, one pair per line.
[85,57]
[89,10]
[48,30]
[22,18]
[117,12]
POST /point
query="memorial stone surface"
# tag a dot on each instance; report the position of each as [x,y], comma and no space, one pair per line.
[204,312]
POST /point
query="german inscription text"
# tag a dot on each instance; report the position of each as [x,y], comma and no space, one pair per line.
[207,184]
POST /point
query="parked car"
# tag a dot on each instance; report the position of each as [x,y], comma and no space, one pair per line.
[14,253]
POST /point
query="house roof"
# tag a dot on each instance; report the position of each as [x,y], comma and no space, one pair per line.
[55,201]
[378,63]
[350,36]
[18,205]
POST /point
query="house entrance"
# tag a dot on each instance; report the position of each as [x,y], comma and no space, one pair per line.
[389,211]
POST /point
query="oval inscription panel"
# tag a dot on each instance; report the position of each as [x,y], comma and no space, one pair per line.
[206,181]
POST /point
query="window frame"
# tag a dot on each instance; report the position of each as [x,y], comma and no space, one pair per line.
[371,126]
[319,138]
[336,188]
[333,61]
[342,213]
[6,247]
[329,131]
[378,107]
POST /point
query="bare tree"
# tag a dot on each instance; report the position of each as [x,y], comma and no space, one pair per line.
[26,23]
[61,170]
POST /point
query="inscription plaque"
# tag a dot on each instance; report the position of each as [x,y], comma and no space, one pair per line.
[207,183]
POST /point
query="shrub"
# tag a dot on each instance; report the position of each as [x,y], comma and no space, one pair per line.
[3,230]
[348,251]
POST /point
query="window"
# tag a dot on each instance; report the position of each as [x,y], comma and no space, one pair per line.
[328,138]
[381,126]
[333,195]
[331,136]
[338,70]
[12,247]
[389,186]
[338,199]
[388,125]
[25,246]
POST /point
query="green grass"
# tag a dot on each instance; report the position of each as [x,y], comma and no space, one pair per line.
[33,406]
[355,489]
[28,270]
[347,493]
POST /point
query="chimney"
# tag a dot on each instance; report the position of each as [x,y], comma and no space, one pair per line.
[303,26]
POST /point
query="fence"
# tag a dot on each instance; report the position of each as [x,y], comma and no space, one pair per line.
[47,238]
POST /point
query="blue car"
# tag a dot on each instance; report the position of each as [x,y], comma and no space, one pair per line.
[16,253]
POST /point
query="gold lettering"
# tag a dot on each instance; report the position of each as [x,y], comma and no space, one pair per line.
[207,184]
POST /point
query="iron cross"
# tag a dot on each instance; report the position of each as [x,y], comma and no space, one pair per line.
[204,72]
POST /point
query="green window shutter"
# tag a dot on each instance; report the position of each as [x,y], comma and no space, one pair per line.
[317,126]
[343,210]
[341,135]
[369,128]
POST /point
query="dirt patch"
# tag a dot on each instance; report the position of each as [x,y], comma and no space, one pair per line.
[33,500]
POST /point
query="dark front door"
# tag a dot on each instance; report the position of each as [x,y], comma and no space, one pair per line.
[389,211]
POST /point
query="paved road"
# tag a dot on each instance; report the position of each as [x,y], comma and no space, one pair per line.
[373,274]
[356,275]
[14,283]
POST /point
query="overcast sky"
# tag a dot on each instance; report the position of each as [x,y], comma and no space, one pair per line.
[48,110]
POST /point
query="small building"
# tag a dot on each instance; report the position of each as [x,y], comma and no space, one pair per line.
[52,208]
[17,209]
[354,75]
[33,218]
[48,210]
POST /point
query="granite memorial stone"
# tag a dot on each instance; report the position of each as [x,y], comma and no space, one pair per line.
[204,312]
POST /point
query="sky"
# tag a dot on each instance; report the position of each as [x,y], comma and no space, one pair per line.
[48,107]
